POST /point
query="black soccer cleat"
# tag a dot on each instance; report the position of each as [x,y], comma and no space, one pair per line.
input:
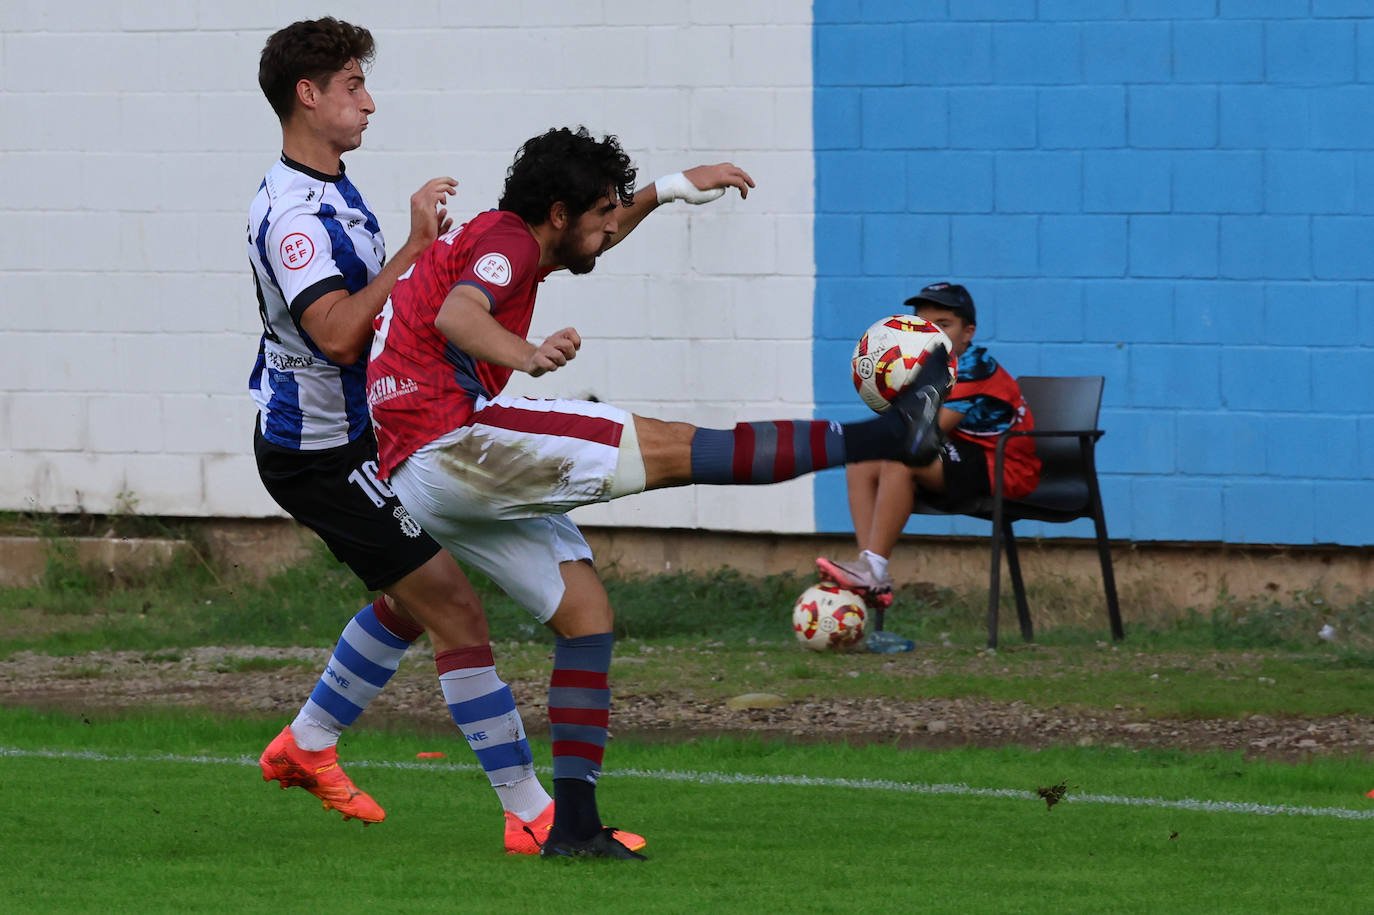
[936,371]
[919,407]
[602,844]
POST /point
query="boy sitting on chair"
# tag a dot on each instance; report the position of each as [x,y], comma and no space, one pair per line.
[986,401]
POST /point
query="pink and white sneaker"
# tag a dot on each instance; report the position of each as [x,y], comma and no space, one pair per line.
[859,578]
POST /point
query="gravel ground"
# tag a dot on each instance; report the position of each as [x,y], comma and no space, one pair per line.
[206,678]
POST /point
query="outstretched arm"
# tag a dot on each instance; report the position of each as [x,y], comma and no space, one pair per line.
[696,186]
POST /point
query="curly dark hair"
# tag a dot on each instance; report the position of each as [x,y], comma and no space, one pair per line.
[312,49]
[567,165]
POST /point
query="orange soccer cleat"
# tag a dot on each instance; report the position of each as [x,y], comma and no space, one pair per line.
[318,772]
[526,837]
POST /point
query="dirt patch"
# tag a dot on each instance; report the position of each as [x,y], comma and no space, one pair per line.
[213,679]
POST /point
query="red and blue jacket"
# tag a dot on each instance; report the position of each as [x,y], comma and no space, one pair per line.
[991,402]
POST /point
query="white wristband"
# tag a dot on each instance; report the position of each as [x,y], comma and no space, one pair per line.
[677,187]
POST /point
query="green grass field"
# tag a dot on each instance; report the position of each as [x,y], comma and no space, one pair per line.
[164,810]
[167,813]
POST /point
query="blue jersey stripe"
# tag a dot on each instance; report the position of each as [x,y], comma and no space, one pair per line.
[354,198]
[261,242]
[345,256]
[285,420]
[352,378]
[255,379]
[284,417]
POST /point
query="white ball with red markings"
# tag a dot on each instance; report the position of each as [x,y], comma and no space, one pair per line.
[828,618]
[888,356]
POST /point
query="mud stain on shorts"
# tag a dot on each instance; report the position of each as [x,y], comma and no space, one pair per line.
[512,472]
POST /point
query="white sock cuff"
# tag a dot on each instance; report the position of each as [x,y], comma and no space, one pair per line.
[312,735]
[878,564]
[526,798]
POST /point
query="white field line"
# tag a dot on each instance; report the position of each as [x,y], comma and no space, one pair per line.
[741,778]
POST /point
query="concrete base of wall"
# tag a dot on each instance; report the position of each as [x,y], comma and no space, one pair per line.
[1155,581]
[24,559]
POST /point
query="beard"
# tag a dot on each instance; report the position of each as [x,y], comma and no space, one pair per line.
[576,262]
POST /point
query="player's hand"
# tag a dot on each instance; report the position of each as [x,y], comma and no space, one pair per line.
[703,183]
[558,349]
[428,216]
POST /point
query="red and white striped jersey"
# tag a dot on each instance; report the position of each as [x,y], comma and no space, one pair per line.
[419,385]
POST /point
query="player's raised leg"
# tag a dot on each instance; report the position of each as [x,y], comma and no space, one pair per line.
[770,452]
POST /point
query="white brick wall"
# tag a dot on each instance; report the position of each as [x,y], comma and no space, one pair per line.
[135,137]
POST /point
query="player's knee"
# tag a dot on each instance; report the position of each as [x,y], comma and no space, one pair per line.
[584,609]
[660,436]
[666,448]
[461,604]
[572,625]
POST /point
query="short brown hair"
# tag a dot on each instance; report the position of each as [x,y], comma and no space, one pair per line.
[312,49]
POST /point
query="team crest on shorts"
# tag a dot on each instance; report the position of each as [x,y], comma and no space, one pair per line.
[409,526]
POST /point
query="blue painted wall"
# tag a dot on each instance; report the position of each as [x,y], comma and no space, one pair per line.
[1176,194]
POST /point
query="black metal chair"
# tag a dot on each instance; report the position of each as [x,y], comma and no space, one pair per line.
[1066,433]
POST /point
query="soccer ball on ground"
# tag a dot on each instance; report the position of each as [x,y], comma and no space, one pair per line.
[891,352]
[828,618]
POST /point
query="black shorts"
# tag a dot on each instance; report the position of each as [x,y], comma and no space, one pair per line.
[966,474]
[335,492]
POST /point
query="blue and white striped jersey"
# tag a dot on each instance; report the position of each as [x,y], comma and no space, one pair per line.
[308,234]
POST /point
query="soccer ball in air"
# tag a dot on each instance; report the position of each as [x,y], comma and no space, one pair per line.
[891,352]
[828,618]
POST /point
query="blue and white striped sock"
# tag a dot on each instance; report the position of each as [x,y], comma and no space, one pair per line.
[365,658]
[484,709]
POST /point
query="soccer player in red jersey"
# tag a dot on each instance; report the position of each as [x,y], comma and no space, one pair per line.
[491,477]
[321,276]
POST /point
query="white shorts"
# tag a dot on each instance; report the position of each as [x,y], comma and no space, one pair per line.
[494,491]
